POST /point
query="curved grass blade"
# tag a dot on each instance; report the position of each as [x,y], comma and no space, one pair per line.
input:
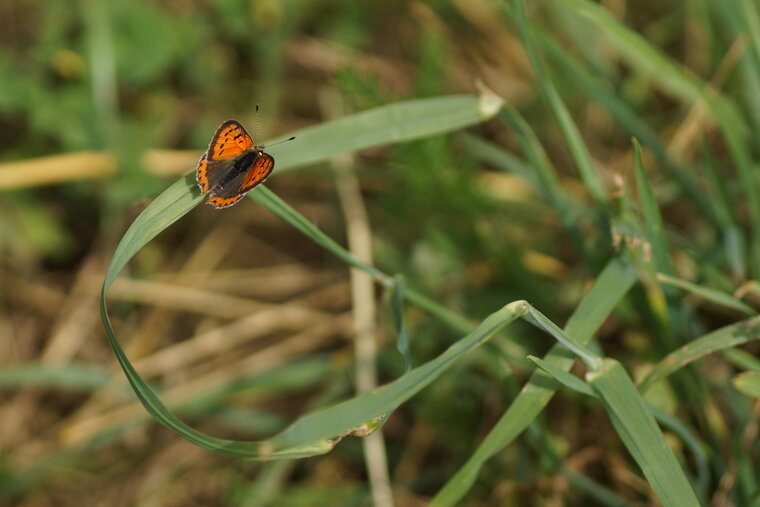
[641,435]
[316,433]
[724,338]
[611,285]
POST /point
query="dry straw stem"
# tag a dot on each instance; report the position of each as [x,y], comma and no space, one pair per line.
[56,169]
[88,165]
[364,309]
[699,117]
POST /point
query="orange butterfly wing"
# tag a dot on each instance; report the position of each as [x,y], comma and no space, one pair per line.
[201,174]
[230,140]
[262,167]
[223,202]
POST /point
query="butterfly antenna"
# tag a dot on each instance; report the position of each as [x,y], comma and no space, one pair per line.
[280,142]
[256,127]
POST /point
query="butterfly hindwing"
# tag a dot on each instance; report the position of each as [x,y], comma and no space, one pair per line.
[230,140]
[224,202]
[262,167]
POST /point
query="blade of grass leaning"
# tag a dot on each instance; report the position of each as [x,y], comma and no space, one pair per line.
[708,294]
[612,284]
[371,128]
[284,211]
[684,85]
[723,338]
[578,151]
[641,435]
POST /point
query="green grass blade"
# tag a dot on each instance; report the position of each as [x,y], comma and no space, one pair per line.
[611,285]
[641,435]
[563,377]
[182,196]
[403,121]
[723,338]
[283,210]
[538,319]
[570,132]
[708,294]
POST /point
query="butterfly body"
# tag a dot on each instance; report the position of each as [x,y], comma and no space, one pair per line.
[232,165]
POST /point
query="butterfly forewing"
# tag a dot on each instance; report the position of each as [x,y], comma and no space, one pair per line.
[230,140]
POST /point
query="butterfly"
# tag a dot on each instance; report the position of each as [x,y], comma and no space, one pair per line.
[232,165]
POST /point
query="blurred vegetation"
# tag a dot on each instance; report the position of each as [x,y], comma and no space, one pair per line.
[243,324]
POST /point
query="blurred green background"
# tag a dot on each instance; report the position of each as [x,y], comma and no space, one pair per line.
[243,324]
